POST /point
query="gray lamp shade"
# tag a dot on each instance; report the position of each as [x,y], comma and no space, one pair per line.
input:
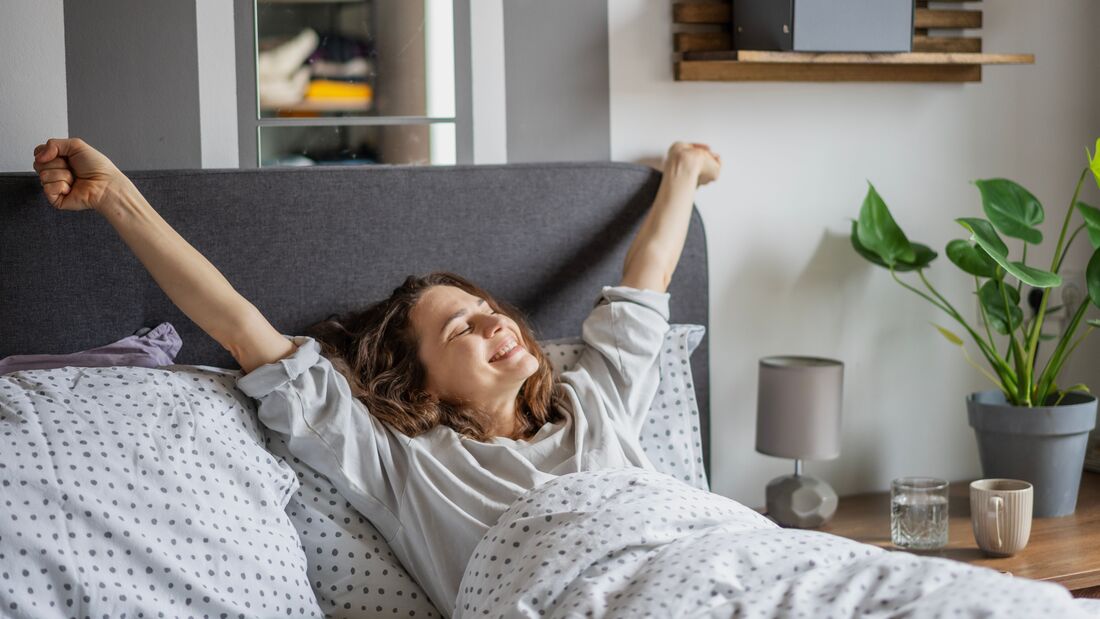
[798,407]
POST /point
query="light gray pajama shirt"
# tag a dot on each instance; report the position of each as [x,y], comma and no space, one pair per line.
[435,495]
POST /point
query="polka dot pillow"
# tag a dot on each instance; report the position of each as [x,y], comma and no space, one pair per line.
[142,492]
[671,437]
[352,570]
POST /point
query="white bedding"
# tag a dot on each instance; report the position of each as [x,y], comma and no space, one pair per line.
[130,492]
[127,490]
[627,542]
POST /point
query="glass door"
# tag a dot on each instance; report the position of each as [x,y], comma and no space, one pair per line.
[354,82]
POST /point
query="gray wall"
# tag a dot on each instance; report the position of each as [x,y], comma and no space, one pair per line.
[32,80]
[133,81]
[556,67]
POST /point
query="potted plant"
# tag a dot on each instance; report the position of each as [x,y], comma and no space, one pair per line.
[1030,427]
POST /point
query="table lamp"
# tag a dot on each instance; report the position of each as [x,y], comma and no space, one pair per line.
[798,417]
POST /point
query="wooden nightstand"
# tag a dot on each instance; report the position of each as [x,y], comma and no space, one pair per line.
[1063,550]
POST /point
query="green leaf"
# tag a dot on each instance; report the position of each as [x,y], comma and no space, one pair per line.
[924,255]
[1092,222]
[879,233]
[1094,164]
[1040,278]
[1093,322]
[1002,318]
[987,238]
[1012,209]
[951,337]
[867,254]
[1066,391]
[971,258]
[1092,278]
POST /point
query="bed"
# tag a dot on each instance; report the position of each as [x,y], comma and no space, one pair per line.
[146,492]
[302,244]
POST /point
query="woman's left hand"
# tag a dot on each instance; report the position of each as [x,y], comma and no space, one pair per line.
[696,158]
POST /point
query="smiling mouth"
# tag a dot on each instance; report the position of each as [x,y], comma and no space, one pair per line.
[510,349]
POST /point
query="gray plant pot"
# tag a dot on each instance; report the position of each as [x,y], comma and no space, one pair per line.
[1044,445]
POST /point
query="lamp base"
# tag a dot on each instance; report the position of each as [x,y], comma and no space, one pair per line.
[800,501]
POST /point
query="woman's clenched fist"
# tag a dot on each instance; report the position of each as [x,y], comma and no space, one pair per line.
[74,176]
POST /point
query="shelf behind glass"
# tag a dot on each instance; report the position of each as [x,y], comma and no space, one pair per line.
[416,144]
[365,58]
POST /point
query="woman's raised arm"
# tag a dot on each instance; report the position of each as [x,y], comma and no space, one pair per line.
[76,177]
[656,250]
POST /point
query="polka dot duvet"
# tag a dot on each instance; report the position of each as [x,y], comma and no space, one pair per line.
[134,492]
[634,543]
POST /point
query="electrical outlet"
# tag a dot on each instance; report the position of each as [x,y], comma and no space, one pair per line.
[1063,302]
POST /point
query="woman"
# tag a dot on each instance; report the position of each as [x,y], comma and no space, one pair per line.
[464,415]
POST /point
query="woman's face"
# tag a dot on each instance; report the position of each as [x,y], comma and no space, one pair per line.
[471,353]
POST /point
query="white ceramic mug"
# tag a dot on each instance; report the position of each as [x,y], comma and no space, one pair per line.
[1000,511]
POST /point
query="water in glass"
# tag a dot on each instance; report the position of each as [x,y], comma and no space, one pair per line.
[918,513]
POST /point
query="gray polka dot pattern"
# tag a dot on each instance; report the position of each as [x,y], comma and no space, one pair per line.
[134,492]
[351,568]
[671,437]
[634,543]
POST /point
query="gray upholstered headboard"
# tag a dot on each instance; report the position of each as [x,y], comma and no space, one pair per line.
[305,243]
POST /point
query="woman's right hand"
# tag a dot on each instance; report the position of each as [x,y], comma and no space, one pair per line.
[74,176]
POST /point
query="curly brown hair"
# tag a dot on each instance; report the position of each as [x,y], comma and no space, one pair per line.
[376,350]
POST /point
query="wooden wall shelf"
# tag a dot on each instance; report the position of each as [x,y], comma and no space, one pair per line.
[705,52]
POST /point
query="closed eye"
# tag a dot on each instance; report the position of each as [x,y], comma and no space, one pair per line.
[470,328]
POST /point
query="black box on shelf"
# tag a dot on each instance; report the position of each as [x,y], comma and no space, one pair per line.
[823,25]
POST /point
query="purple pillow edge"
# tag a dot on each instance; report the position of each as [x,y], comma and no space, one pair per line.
[155,348]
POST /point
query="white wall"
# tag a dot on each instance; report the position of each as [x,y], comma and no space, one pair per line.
[796,160]
[33,103]
[217,83]
[488,88]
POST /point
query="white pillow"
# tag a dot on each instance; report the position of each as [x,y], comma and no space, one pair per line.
[138,491]
[671,438]
[353,571]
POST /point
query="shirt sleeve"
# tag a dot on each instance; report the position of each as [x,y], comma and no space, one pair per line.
[304,398]
[622,339]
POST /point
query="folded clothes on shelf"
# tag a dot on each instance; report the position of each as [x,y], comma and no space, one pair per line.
[334,89]
[283,60]
[339,48]
[282,92]
[356,68]
[282,78]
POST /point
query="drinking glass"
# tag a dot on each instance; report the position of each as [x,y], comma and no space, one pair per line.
[918,513]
